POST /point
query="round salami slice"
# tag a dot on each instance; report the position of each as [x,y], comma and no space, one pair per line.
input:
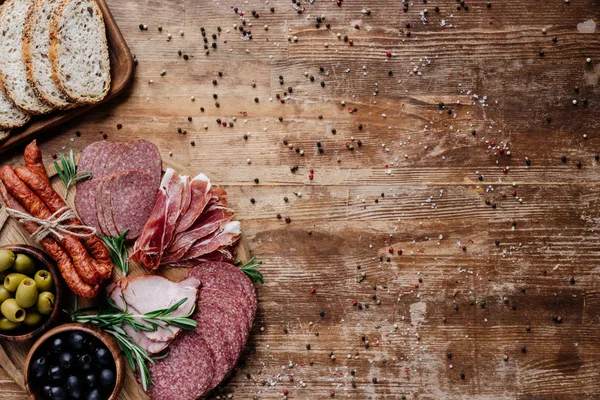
[113,159]
[141,156]
[186,373]
[232,272]
[106,227]
[219,342]
[132,198]
[85,200]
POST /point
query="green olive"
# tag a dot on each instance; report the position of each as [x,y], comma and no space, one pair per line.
[33,318]
[4,294]
[27,293]
[24,264]
[45,303]
[11,310]
[7,259]
[6,325]
[43,280]
[12,281]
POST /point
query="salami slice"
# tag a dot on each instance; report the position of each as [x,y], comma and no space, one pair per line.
[114,159]
[85,200]
[131,199]
[220,340]
[141,156]
[187,372]
[103,207]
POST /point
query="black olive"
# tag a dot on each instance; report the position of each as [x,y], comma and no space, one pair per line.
[58,393]
[90,380]
[104,357]
[76,341]
[107,378]
[58,345]
[74,387]
[65,360]
[39,367]
[56,373]
[85,363]
[94,395]
[46,391]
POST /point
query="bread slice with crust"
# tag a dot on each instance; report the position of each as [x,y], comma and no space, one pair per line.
[79,51]
[4,133]
[12,69]
[36,47]
[11,116]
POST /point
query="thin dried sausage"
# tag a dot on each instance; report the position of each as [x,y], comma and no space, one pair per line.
[56,252]
[99,253]
[35,207]
[33,160]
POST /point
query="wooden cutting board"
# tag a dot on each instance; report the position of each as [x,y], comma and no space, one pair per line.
[12,355]
[121,73]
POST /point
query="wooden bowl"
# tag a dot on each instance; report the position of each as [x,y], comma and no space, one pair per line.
[99,334]
[44,261]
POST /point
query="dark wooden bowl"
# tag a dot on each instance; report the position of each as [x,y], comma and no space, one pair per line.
[45,262]
[99,334]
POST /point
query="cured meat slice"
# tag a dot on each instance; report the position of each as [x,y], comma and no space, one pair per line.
[220,340]
[153,347]
[85,196]
[218,240]
[199,195]
[214,218]
[131,198]
[159,228]
[233,273]
[187,372]
[152,292]
[114,159]
[142,156]
[105,221]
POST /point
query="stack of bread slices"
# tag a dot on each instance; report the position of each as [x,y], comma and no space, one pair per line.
[53,56]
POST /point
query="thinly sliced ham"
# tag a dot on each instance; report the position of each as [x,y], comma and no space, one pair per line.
[213,219]
[190,220]
[153,347]
[199,194]
[159,228]
[217,240]
[144,294]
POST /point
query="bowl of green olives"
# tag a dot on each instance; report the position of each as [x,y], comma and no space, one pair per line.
[74,361]
[30,292]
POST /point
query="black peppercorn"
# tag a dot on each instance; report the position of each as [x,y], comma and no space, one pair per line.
[256,180]
[214,82]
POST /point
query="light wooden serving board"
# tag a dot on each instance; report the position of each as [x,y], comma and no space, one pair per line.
[13,354]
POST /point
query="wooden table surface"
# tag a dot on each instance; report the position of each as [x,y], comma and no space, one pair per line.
[496,293]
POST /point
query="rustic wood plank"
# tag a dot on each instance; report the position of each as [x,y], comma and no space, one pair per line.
[476,303]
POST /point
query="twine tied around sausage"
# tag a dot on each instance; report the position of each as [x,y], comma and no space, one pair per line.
[55,225]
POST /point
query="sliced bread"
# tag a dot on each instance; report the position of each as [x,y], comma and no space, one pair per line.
[12,69]
[11,116]
[4,134]
[36,47]
[79,52]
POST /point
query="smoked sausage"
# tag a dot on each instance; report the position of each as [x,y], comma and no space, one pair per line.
[34,206]
[97,249]
[56,252]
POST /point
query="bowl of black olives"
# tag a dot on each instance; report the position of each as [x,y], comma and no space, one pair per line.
[30,292]
[74,361]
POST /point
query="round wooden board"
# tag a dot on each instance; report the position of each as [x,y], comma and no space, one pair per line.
[12,355]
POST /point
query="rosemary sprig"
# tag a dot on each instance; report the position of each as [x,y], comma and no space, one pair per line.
[118,251]
[68,173]
[112,319]
[250,269]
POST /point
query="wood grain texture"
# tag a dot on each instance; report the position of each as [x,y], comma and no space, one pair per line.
[485,65]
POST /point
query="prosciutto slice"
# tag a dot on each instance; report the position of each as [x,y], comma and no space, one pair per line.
[190,221]
[215,241]
[215,218]
[199,194]
[159,228]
